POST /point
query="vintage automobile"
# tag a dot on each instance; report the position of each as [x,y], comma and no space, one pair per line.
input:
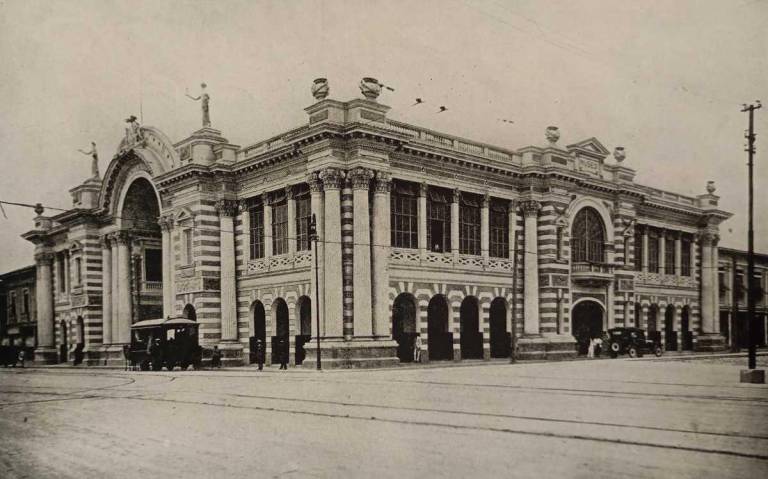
[632,342]
[10,355]
[171,342]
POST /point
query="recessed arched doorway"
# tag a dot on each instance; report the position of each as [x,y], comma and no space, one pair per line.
[670,335]
[304,305]
[471,340]
[189,312]
[64,345]
[439,338]
[653,332]
[404,325]
[500,337]
[586,323]
[686,340]
[281,340]
[259,331]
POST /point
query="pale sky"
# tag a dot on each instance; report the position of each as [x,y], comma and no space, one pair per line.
[664,79]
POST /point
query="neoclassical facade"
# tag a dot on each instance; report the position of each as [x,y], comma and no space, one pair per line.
[465,248]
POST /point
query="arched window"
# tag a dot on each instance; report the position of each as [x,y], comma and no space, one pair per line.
[588,237]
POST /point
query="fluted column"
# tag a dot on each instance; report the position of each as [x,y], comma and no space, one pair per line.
[362,301]
[707,312]
[381,251]
[165,226]
[267,226]
[422,219]
[106,291]
[124,302]
[115,286]
[332,179]
[291,201]
[485,224]
[317,205]
[227,210]
[531,265]
[44,298]
[455,223]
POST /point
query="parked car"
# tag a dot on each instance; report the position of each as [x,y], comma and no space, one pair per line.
[9,355]
[632,342]
[158,343]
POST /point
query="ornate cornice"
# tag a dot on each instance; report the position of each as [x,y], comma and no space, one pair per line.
[332,178]
[530,208]
[360,178]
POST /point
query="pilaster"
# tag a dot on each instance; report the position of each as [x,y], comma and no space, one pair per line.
[332,179]
[362,299]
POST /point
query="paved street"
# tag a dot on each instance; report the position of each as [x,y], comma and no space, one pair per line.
[601,418]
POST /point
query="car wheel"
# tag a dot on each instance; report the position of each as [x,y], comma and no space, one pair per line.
[170,366]
[157,366]
[632,352]
[658,351]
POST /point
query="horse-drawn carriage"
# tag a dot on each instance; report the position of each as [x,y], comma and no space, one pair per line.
[159,343]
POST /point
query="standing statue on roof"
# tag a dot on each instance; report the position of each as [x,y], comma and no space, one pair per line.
[204,98]
[133,132]
[95,163]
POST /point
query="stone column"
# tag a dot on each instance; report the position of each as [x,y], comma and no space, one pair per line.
[455,224]
[167,245]
[662,252]
[115,287]
[485,228]
[531,266]
[645,249]
[381,252]
[46,350]
[316,202]
[106,291]
[227,210]
[627,319]
[267,226]
[678,254]
[423,222]
[362,300]
[715,297]
[611,313]
[291,201]
[334,319]
[707,313]
[124,303]
[512,220]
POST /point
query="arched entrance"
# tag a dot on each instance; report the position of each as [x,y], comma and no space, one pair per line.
[64,345]
[404,325]
[304,305]
[670,335]
[281,340]
[189,312]
[686,340]
[439,338]
[500,337]
[586,323]
[259,330]
[471,338]
[653,318]
[79,340]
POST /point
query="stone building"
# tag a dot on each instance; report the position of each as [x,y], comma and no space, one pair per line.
[421,234]
[733,297]
[18,313]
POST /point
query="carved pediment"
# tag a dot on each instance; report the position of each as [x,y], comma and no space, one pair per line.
[591,145]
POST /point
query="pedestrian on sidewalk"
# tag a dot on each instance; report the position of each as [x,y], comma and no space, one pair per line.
[417,349]
[260,353]
[282,352]
[591,348]
[216,358]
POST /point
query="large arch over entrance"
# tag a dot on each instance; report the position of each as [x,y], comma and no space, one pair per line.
[258,329]
[281,339]
[439,338]
[404,325]
[500,337]
[587,319]
[471,340]
[189,312]
[304,306]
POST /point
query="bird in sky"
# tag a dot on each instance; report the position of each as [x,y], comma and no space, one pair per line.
[442,109]
[419,101]
[504,120]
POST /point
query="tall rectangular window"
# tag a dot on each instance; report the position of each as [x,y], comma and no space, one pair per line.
[685,257]
[669,256]
[469,224]
[499,230]
[280,228]
[25,302]
[303,217]
[438,220]
[153,265]
[78,271]
[653,251]
[187,237]
[404,215]
[256,220]
[62,272]
[12,306]
[638,249]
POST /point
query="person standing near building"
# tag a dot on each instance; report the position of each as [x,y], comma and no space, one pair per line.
[591,348]
[260,353]
[417,349]
[282,352]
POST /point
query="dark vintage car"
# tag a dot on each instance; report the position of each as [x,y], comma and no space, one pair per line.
[11,355]
[165,343]
[632,342]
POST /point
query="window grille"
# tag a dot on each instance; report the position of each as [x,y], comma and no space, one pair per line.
[653,252]
[280,228]
[303,217]
[404,218]
[685,259]
[256,217]
[438,223]
[588,238]
[188,245]
[499,234]
[469,229]
[669,256]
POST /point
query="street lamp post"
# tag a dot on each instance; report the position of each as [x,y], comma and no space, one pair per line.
[314,238]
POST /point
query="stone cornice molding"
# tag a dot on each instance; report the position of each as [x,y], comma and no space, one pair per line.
[360,178]
[332,178]
[226,207]
[530,208]
[44,259]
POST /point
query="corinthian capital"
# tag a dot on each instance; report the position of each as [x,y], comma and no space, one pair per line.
[530,208]
[44,258]
[226,207]
[332,178]
[314,182]
[382,183]
[360,178]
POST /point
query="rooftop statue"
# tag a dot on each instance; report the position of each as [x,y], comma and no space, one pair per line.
[95,163]
[204,98]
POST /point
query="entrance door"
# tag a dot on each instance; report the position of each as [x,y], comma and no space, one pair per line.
[586,323]
[471,338]
[280,340]
[439,339]
[670,335]
[305,322]
[500,338]
[404,326]
[64,346]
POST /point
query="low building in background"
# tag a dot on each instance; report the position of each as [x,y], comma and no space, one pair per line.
[733,297]
[462,244]
[18,311]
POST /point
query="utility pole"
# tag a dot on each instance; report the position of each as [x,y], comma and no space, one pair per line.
[751,375]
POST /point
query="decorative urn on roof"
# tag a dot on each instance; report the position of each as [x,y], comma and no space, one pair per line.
[711,187]
[370,87]
[619,154]
[552,134]
[320,88]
